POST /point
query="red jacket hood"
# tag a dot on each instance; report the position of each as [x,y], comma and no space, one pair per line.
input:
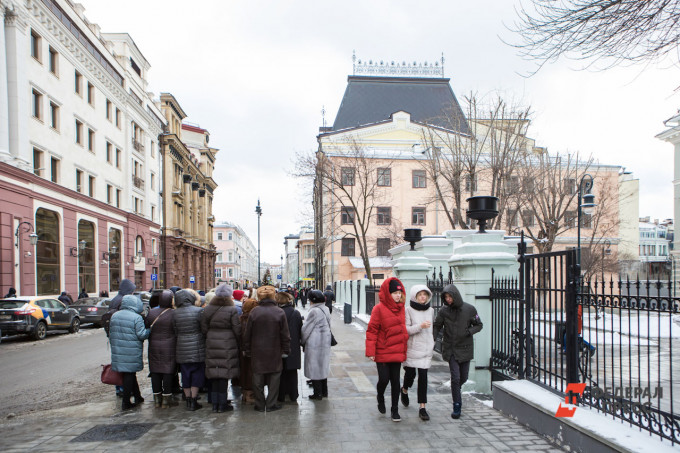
[386,297]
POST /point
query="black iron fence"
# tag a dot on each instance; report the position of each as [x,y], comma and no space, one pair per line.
[371,298]
[618,338]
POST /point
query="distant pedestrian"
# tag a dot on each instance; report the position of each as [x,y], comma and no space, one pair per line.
[303,297]
[246,376]
[222,327]
[386,339]
[266,341]
[63,297]
[127,335]
[83,294]
[316,339]
[11,293]
[460,322]
[162,344]
[291,364]
[190,350]
[238,300]
[420,347]
[330,297]
[103,293]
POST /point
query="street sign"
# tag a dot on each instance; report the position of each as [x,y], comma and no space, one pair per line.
[192,279]
[154,277]
[279,277]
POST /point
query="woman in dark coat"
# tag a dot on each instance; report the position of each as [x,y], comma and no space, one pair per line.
[246,377]
[222,327]
[289,375]
[162,349]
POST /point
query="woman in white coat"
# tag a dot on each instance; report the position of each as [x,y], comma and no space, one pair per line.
[419,316]
[316,340]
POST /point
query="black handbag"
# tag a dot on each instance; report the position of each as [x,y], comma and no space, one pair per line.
[333,340]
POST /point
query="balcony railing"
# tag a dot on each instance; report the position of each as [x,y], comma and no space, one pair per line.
[137,182]
[137,146]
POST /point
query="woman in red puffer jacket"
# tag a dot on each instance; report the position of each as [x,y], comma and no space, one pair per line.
[386,339]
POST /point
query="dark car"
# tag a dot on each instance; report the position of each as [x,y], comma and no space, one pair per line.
[144,296]
[36,315]
[91,309]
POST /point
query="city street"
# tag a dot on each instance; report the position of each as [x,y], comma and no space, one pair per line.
[347,421]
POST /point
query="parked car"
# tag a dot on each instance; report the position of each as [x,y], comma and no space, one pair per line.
[91,309]
[144,296]
[36,315]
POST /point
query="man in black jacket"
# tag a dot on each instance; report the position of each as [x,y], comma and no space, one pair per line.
[460,322]
[330,297]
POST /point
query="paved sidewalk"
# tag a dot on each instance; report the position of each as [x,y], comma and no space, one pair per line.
[347,421]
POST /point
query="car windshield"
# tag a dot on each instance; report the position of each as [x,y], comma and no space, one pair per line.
[11,303]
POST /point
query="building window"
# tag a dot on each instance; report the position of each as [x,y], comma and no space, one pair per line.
[419,179]
[54,169]
[37,162]
[230,236]
[37,104]
[78,83]
[109,193]
[86,260]
[118,193]
[115,250]
[109,108]
[118,153]
[418,216]
[153,213]
[109,153]
[117,117]
[36,45]
[528,218]
[513,220]
[90,93]
[219,257]
[347,247]
[570,186]
[512,184]
[153,150]
[384,177]
[231,256]
[152,181]
[47,252]
[90,140]
[347,176]
[54,62]
[384,215]
[79,133]
[586,220]
[90,186]
[347,215]
[79,181]
[471,183]
[382,246]
[570,219]
[54,116]
[219,236]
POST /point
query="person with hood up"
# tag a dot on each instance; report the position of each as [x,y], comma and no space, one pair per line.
[420,346]
[127,335]
[316,338]
[386,339]
[266,341]
[12,293]
[330,297]
[162,341]
[222,327]
[190,349]
[63,297]
[291,364]
[246,377]
[125,288]
[460,322]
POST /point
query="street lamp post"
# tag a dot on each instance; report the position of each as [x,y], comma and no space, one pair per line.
[258,211]
[281,272]
[586,202]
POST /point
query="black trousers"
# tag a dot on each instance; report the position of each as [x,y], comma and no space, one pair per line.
[459,376]
[388,372]
[288,385]
[161,383]
[130,386]
[410,376]
[320,387]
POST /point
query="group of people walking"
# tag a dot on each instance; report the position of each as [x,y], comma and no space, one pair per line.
[399,334]
[252,339]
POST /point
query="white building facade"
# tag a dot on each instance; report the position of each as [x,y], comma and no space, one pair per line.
[236,261]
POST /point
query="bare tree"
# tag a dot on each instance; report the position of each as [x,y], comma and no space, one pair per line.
[459,164]
[347,188]
[612,30]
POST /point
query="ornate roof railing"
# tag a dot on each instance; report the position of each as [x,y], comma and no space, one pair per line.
[396,69]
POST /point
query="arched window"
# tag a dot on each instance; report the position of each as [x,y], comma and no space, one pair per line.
[114,259]
[139,246]
[86,260]
[47,253]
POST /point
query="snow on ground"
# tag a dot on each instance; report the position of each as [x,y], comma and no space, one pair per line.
[587,419]
[357,326]
[364,317]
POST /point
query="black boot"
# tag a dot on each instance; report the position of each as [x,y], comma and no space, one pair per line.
[157,400]
[381,404]
[214,399]
[193,404]
[317,395]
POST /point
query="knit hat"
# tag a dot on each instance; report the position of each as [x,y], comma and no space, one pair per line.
[266,292]
[238,294]
[224,290]
[396,286]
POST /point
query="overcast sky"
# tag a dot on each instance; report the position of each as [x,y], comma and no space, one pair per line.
[257,73]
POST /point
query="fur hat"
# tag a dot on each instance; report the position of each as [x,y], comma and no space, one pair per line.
[224,290]
[238,294]
[266,292]
[209,297]
[283,298]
